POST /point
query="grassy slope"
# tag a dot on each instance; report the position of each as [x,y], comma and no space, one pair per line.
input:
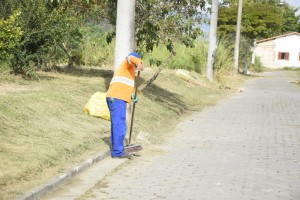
[43,130]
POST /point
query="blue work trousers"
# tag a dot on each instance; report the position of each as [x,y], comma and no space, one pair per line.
[117,109]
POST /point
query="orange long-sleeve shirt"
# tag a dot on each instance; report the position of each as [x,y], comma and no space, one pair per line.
[122,83]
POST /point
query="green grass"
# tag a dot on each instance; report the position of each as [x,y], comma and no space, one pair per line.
[43,127]
[291,68]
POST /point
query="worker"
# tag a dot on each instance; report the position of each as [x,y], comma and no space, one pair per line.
[120,92]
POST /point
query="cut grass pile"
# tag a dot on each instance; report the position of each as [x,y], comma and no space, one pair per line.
[44,132]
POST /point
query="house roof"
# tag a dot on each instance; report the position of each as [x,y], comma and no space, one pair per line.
[279,36]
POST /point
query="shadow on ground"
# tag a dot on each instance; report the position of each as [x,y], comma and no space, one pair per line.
[168,99]
[106,140]
[87,72]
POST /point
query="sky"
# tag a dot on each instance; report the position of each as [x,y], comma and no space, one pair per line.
[294,3]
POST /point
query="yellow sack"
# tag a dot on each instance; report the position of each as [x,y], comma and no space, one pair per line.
[97,107]
[183,74]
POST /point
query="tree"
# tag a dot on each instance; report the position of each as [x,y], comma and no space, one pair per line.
[168,21]
[237,36]
[165,22]
[212,40]
[260,19]
[124,30]
[291,22]
[10,34]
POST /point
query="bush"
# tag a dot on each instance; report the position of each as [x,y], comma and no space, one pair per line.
[95,50]
[39,35]
[10,35]
[257,67]
[193,59]
[224,56]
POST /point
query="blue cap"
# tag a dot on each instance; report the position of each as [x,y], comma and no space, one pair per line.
[134,54]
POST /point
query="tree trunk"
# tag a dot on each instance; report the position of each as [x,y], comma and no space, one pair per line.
[71,58]
[124,30]
[212,46]
[237,37]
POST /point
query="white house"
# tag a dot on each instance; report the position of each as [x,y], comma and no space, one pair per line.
[279,51]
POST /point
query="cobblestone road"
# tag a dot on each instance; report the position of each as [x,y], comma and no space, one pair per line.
[245,147]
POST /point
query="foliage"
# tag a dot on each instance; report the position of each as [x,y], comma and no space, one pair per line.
[260,19]
[7,7]
[165,22]
[257,67]
[224,56]
[10,34]
[194,59]
[53,29]
[47,32]
[290,21]
[89,10]
[95,50]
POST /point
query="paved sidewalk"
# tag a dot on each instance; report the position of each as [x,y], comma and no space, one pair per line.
[245,147]
[81,183]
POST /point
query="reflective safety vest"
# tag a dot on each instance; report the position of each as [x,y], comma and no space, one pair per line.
[122,83]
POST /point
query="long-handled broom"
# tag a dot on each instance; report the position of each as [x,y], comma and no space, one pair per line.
[131,148]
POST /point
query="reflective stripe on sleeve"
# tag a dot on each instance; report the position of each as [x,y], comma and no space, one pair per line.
[128,59]
[124,80]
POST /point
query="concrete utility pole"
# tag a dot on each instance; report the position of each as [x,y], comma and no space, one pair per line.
[124,30]
[237,37]
[212,43]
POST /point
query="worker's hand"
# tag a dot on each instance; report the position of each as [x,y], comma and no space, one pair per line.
[140,67]
[134,99]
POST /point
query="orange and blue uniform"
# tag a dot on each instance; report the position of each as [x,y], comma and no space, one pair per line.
[118,94]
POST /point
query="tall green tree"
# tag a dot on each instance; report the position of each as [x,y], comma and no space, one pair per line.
[291,22]
[260,19]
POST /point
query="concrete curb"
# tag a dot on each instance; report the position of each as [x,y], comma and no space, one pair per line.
[59,181]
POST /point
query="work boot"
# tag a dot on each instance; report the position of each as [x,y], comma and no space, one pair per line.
[125,155]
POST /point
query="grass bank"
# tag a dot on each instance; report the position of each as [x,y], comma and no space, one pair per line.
[44,132]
